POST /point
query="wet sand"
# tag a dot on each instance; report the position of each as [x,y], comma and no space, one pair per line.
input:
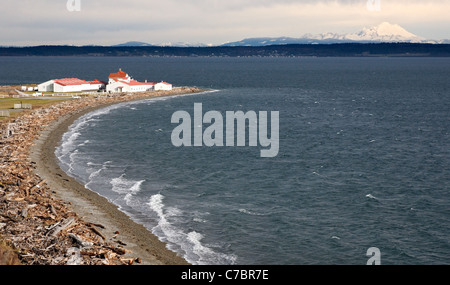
[90,206]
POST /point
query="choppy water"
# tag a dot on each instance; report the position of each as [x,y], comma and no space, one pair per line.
[364,158]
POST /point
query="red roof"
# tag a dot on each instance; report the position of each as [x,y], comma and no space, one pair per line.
[119,74]
[70,81]
[136,83]
[96,82]
[76,81]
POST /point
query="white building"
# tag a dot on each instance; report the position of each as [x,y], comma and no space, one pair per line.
[121,75]
[163,86]
[70,85]
[122,82]
[130,86]
[117,82]
[28,88]
[47,86]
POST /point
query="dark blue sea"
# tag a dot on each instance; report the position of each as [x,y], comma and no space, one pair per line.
[364,157]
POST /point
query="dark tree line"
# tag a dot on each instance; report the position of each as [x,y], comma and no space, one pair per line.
[320,50]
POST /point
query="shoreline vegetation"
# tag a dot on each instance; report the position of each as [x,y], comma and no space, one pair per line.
[47,217]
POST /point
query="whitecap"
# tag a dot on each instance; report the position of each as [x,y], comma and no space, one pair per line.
[206,254]
[245,211]
[67,146]
[68,142]
[190,243]
[127,187]
[199,220]
[71,161]
[371,196]
[84,143]
[156,204]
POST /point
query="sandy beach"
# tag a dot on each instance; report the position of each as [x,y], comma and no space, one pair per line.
[109,233]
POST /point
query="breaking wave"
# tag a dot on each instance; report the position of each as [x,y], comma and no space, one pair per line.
[189,242]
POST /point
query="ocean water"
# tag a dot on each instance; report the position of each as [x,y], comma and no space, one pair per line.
[364,158]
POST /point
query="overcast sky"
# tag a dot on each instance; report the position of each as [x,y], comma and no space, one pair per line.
[107,22]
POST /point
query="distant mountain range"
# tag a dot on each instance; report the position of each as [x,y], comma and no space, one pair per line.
[134,44]
[177,44]
[383,33]
[384,40]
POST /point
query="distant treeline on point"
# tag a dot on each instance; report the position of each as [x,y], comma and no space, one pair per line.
[293,50]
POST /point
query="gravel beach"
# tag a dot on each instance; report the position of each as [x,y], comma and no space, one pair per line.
[89,229]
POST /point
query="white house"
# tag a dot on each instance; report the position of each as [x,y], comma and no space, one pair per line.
[97,84]
[70,85]
[163,86]
[47,86]
[117,82]
[121,75]
[122,82]
[130,86]
[28,88]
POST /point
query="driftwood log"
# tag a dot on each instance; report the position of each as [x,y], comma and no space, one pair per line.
[35,227]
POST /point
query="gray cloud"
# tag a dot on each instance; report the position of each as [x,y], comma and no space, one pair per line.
[216,21]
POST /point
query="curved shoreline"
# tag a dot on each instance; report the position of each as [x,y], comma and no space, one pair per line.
[92,207]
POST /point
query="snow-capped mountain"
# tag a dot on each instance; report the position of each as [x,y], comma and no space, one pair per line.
[134,44]
[177,44]
[385,32]
[183,44]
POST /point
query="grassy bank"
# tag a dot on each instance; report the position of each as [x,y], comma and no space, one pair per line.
[8,104]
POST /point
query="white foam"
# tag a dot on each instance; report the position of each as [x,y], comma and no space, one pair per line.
[84,143]
[191,243]
[72,160]
[371,196]
[69,139]
[156,204]
[68,143]
[96,173]
[248,212]
[201,251]
[125,186]
[199,220]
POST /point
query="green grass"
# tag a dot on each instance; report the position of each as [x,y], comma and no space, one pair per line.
[8,103]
